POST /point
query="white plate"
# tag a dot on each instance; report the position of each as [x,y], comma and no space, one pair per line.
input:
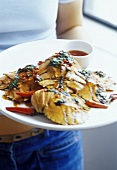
[30,53]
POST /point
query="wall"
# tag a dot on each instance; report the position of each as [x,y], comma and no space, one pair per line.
[100,144]
[100,148]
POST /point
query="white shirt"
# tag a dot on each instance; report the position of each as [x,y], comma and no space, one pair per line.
[27,20]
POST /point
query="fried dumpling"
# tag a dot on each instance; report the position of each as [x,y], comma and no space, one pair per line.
[59,107]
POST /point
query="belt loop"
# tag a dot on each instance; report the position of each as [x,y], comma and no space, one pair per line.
[46,133]
[17,137]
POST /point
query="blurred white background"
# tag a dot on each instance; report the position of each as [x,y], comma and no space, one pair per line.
[100,144]
[104,9]
[101,23]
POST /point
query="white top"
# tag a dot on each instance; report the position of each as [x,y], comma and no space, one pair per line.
[24,20]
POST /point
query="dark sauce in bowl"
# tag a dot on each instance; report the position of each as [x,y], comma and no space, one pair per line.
[77,53]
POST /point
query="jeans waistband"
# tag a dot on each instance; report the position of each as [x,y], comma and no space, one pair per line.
[21,136]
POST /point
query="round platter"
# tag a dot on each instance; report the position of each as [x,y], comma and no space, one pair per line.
[32,52]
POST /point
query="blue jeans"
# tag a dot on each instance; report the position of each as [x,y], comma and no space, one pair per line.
[52,150]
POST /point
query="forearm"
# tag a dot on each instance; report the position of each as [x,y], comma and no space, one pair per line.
[77,32]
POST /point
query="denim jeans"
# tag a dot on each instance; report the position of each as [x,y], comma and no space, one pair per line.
[52,150]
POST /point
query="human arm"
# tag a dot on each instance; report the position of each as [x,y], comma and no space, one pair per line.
[70,21]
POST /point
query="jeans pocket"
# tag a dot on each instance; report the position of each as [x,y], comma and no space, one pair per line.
[63,154]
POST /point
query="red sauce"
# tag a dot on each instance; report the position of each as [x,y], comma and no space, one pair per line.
[77,53]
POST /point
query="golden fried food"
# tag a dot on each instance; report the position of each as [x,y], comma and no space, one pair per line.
[60,107]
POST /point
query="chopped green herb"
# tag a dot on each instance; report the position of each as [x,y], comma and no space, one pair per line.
[65,93]
[13,83]
[59,102]
[101,96]
[76,101]
[28,75]
[53,90]
[100,74]
[26,68]
[61,58]
[85,73]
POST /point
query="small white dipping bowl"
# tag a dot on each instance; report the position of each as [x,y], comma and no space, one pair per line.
[79,45]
